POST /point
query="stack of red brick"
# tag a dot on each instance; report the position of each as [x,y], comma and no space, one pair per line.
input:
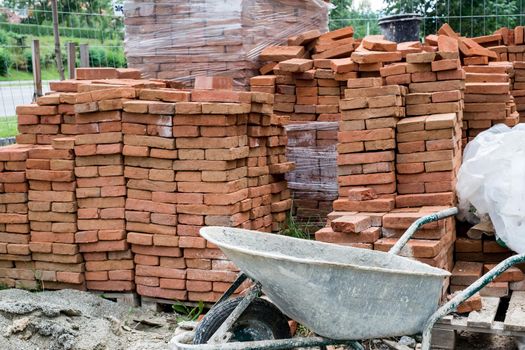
[16,266]
[120,202]
[53,215]
[151,220]
[487,99]
[313,182]
[366,145]
[467,272]
[187,39]
[518,88]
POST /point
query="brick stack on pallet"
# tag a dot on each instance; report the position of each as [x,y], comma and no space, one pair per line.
[16,266]
[39,124]
[302,91]
[187,40]
[429,137]
[216,135]
[101,188]
[366,148]
[507,44]
[373,52]
[312,147]
[53,215]
[467,272]
[433,244]
[487,100]
[518,88]
[151,220]
[308,91]
[267,165]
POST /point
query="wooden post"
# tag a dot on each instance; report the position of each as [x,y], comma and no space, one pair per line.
[84,55]
[58,53]
[71,59]
[37,72]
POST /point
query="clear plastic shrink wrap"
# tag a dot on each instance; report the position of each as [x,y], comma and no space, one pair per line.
[313,182]
[183,39]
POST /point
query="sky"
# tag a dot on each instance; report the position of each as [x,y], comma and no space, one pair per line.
[376,5]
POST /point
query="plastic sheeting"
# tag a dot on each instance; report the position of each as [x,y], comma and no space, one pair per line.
[313,150]
[182,39]
[492,180]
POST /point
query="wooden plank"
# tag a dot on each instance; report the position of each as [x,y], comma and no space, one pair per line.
[446,320]
[485,317]
[443,339]
[71,59]
[497,328]
[84,55]
[515,316]
[37,72]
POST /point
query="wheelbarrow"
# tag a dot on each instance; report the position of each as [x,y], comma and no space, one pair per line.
[343,294]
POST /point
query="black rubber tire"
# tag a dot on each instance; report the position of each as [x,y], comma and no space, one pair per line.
[259,311]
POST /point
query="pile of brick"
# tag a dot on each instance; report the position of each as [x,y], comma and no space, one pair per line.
[429,138]
[53,215]
[366,145]
[151,220]
[507,44]
[101,188]
[467,272]
[304,93]
[16,266]
[433,244]
[487,99]
[308,92]
[313,182]
[189,40]
[118,204]
[39,125]
[518,88]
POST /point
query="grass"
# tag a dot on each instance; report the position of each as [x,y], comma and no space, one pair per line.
[8,126]
[20,72]
[186,313]
[16,75]
[294,229]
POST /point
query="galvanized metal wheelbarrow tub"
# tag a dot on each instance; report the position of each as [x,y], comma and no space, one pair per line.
[343,294]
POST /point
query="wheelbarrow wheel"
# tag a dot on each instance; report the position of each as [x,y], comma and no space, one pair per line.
[260,321]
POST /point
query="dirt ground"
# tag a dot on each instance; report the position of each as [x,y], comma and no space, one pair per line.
[68,319]
[73,320]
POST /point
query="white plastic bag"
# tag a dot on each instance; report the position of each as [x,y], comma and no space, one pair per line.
[492,180]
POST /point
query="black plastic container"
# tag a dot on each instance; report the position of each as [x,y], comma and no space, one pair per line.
[400,28]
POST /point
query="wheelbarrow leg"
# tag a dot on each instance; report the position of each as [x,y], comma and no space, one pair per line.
[465,294]
[241,277]
[222,335]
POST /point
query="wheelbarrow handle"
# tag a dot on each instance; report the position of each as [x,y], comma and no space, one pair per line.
[453,303]
[416,225]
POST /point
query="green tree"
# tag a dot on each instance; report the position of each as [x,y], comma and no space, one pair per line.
[78,14]
[471,18]
[362,18]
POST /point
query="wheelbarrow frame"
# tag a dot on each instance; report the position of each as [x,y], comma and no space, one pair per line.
[219,340]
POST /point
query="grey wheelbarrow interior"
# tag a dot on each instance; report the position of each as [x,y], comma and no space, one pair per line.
[338,292]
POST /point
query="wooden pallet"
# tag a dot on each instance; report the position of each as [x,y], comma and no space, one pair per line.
[483,321]
[131,299]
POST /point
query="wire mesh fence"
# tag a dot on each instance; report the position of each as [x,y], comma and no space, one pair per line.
[96,24]
[81,22]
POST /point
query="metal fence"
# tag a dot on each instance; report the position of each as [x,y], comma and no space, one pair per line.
[468,17]
[82,22]
[79,22]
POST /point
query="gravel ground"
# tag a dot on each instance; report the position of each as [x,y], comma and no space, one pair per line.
[70,319]
[73,320]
